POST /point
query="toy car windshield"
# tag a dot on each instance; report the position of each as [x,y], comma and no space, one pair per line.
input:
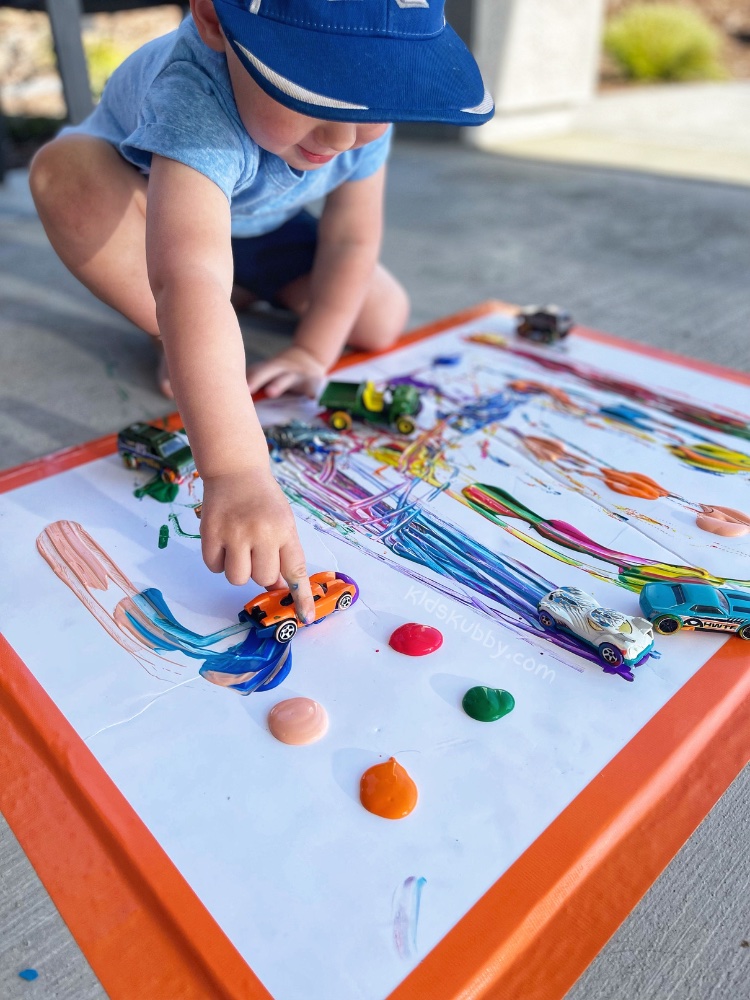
[171,446]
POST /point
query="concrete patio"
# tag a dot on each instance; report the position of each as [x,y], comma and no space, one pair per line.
[652,257]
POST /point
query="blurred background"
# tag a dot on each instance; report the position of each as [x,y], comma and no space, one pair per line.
[544,61]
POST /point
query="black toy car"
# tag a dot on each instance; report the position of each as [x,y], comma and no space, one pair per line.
[543,324]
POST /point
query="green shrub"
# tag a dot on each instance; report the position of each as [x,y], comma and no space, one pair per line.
[664,42]
[103,56]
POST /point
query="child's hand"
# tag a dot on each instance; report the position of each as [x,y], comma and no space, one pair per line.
[294,370]
[248,531]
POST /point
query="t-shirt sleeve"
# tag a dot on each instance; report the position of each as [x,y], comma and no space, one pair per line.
[183,118]
[372,156]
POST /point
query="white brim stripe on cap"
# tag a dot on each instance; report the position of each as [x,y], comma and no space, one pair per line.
[294,90]
[481,109]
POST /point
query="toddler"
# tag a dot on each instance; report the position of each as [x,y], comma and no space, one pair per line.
[190,179]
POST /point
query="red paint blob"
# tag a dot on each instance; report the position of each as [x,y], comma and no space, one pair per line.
[416,640]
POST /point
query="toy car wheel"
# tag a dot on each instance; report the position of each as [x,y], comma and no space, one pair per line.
[744,632]
[610,654]
[340,420]
[345,601]
[129,460]
[285,631]
[667,624]
[546,620]
[405,425]
[169,475]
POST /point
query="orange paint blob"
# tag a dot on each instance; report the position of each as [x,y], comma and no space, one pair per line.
[634,484]
[298,721]
[387,790]
[544,448]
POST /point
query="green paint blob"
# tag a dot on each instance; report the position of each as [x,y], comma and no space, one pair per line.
[487,704]
[157,489]
[163,536]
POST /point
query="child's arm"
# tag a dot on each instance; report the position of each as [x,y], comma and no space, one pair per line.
[349,238]
[247,527]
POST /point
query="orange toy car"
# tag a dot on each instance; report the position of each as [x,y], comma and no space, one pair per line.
[274,609]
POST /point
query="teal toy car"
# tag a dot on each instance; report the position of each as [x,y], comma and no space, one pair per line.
[166,452]
[673,606]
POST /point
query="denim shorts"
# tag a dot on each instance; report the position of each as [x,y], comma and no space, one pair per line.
[264,264]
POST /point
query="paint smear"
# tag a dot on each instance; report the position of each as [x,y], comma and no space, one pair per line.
[175,522]
[486,704]
[406,902]
[298,721]
[158,490]
[142,623]
[387,790]
[163,536]
[413,639]
[683,408]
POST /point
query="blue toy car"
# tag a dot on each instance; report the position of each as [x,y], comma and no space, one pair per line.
[672,606]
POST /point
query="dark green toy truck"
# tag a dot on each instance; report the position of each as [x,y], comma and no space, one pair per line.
[395,406]
[166,452]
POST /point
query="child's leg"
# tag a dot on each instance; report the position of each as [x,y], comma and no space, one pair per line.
[92,204]
[383,316]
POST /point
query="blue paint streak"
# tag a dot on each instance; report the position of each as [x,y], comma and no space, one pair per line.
[481,412]
[267,660]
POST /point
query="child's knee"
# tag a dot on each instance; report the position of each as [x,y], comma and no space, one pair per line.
[384,316]
[55,182]
[68,178]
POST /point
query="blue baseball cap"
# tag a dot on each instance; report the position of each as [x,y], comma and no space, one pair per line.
[358,60]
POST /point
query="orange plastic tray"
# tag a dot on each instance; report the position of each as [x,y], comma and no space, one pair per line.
[147,935]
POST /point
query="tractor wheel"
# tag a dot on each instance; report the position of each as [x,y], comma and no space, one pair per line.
[286,630]
[610,654]
[168,476]
[340,420]
[667,624]
[405,425]
[344,601]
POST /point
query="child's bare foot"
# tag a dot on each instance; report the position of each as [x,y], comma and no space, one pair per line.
[162,372]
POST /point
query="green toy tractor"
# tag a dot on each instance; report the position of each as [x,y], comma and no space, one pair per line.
[395,406]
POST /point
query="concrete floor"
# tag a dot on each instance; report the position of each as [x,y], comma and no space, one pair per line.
[688,129]
[656,259]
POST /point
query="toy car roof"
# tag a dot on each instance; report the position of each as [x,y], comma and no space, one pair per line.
[154,435]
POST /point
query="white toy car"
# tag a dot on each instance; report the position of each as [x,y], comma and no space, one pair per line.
[618,639]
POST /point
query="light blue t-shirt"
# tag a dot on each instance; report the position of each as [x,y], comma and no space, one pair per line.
[173,97]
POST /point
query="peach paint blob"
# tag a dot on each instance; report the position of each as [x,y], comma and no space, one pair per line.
[387,790]
[723,521]
[298,721]
[416,640]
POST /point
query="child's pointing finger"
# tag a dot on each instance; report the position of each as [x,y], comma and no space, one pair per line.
[294,572]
